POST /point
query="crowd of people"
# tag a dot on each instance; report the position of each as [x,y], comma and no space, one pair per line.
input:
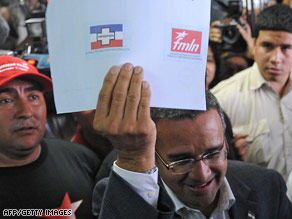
[126,159]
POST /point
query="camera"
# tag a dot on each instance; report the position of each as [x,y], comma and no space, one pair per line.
[35,25]
[231,38]
[35,49]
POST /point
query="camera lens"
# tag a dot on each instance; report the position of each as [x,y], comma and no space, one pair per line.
[230,34]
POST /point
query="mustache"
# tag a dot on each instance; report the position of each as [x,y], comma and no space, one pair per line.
[25,124]
[278,66]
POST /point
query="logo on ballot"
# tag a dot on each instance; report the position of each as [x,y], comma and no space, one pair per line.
[186,41]
[106,36]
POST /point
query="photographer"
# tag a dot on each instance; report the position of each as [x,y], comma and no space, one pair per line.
[233,39]
[245,32]
[258,99]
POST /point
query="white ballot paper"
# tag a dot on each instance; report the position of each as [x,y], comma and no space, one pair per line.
[168,38]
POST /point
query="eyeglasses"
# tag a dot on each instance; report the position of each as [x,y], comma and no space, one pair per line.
[184,166]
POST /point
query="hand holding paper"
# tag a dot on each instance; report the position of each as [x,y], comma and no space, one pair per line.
[123,116]
[94,35]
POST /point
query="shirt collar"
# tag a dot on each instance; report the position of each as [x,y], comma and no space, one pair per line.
[226,198]
[257,80]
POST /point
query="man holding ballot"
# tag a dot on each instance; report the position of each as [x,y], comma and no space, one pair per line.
[172,163]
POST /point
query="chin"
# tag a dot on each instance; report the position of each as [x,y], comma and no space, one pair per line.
[28,145]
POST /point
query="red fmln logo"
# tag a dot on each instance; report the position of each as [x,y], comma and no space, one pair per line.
[186,41]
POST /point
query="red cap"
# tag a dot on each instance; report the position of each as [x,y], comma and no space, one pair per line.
[13,67]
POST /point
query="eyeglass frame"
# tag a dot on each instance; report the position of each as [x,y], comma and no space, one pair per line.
[169,166]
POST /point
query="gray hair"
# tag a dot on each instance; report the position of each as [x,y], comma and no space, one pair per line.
[180,114]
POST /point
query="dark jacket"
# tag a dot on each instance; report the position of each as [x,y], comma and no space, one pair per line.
[259,192]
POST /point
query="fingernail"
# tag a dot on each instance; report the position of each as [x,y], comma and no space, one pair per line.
[137,70]
[115,70]
[145,84]
[128,66]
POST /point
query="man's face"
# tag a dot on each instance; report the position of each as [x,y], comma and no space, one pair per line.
[192,138]
[22,118]
[273,54]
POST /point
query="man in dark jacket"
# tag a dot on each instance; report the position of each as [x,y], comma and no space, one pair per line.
[188,149]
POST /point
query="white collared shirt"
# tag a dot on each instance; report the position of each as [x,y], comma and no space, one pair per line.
[226,200]
[289,187]
[256,109]
[146,185]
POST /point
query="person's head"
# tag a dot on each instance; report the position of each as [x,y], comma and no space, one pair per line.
[233,63]
[273,43]
[183,135]
[22,108]
[212,67]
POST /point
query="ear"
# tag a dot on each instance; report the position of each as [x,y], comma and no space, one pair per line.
[254,45]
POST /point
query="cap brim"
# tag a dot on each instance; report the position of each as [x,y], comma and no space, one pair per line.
[43,80]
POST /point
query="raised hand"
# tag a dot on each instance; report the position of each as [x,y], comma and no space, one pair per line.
[242,146]
[247,36]
[123,116]
[215,32]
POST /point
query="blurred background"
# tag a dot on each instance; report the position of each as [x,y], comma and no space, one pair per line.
[23,34]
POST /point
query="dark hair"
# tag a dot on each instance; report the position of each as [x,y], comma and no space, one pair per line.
[276,18]
[215,50]
[180,114]
[35,83]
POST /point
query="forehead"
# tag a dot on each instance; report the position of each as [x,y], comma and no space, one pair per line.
[275,37]
[21,83]
[199,134]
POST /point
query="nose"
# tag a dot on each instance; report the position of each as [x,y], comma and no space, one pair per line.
[23,108]
[200,172]
[276,55]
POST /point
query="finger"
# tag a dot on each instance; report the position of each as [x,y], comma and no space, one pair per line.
[242,151]
[120,92]
[216,31]
[244,145]
[239,136]
[240,144]
[242,20]
[244,154]
[144,105]
[215,35]
[245,33]
[215,23]
[241,30]
[248,29]
[134,95]
[105,94]
[216,40]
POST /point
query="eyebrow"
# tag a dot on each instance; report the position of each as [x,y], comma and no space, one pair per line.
[268,42]
[27,89]
[191,155]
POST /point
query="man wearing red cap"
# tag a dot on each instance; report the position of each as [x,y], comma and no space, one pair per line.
[39,177]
